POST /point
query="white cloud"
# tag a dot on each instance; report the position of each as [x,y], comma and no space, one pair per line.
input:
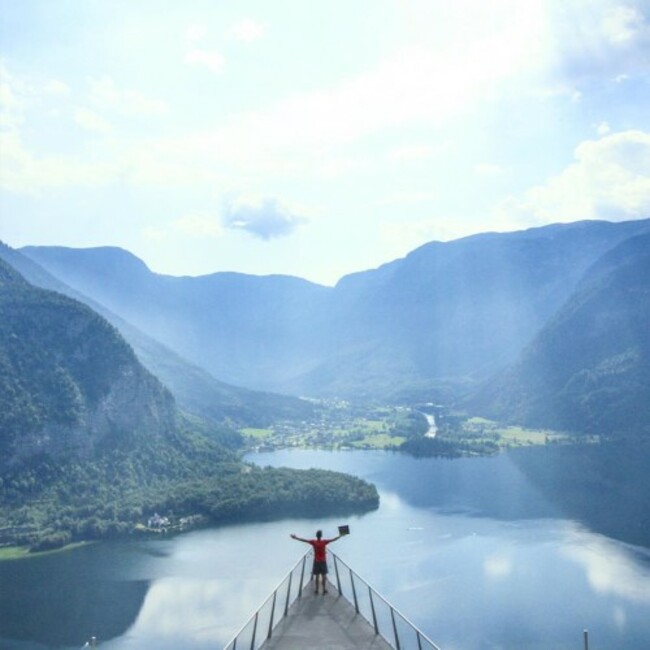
[488,169]
[195,33]
[22,171]
[91,121]
[622,24]
[405,198]
[264,218]
[198,225]
[610,179]
[105,92]
[210,59]
[603,128]
[247,31]
[56,87]
[599,38]
[11,113]
[414,85]
[412,152]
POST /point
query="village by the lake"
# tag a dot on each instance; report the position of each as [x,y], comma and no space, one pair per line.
[341,424]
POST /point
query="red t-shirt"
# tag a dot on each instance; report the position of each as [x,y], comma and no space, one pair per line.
[319,548]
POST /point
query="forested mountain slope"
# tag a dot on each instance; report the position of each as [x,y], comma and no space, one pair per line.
[91,443]
[589,368]
[196,390]
[68,381]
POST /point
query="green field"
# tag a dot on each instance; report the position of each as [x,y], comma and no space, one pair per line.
[259,434]
[390,427]
[21,552]
[509,436]
[379,441]
[13,552]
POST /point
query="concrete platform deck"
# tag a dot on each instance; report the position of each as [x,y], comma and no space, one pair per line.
[324,622]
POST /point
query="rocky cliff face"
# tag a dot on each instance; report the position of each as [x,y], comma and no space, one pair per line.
[69,383]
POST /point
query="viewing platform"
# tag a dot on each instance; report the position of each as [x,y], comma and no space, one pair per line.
[351,616]
[324,621]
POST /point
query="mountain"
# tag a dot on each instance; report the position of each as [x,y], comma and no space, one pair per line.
[467,307]
[69,382]
[195,389]
[588,370]
[445,315]
[91,443]
[244,330]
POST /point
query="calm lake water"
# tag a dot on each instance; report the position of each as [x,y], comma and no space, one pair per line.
[468,549]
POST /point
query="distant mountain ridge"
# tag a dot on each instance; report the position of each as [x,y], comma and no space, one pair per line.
[589,368]
[234,325]
[446,313]
[195,389]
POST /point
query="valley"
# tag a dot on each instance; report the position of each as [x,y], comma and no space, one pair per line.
[340,424]
[127,393]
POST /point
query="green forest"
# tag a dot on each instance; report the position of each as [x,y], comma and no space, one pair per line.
[49,503]
[92,444]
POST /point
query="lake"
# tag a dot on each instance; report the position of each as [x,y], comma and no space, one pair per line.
[469,549]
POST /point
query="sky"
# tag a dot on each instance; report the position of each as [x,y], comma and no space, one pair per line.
[314,138]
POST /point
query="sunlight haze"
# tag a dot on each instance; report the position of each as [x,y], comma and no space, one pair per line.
[316,139]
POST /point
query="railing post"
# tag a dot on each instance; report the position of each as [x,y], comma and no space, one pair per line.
[336,570]
[354,592]
[585,635]
[373,595]
[257,613]
[302,575]
[372,607]
[275,593]
[392,616]
[286,604]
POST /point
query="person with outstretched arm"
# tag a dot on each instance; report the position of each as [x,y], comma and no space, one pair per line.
[320,556]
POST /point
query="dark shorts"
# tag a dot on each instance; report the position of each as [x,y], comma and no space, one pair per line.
[320,568]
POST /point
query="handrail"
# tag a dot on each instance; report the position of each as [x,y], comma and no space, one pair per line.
[404,634]
[379,623]
[240,640]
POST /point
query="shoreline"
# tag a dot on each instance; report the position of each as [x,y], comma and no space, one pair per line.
[11,553]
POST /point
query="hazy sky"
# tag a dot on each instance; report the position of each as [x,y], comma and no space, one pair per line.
[316,138]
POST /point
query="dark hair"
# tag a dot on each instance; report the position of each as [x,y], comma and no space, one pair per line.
[319,534]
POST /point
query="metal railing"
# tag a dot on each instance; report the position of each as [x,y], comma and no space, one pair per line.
[261,624]
[386,620]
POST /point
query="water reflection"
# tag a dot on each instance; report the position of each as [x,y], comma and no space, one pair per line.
[180,611]
[55,599]
[610,568]
[606,486]
[213,581]
[469,581]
